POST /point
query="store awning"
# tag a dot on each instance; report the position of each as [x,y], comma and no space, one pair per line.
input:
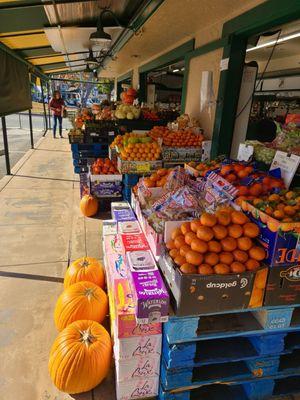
[54,35]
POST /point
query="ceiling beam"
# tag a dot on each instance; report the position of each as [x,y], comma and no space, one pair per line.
[59,54]
[30,4]
[23,19]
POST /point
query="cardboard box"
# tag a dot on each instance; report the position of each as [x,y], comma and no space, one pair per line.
[280,239]
[123,303]
[181,153]
[109,227]
[197,294]
[123,215]
[119,205]
[106,189]
[138,167]
[139,367]
[84,184]
[129,227]
[283,286]
[137,388]
[133,347]
[134,242]
[148,287]
[112,245]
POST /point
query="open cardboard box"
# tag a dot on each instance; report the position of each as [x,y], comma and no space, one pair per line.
[280,239]
[195,294]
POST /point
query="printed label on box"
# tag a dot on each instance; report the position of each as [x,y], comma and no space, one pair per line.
[140,367]
[128,227]
[123,215]
[288,164]
[134,242]
[127,348]
[137,388]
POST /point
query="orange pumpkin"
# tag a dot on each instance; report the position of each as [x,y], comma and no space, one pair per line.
[80,357]
[85,269]
[83,300]
[88,205]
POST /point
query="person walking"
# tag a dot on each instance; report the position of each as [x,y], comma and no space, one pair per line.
[57,106]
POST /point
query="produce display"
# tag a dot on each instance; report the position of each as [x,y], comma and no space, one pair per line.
[180,138]
[88,205]
[219,243]
[104,166]
[150,115]
[128,96]
[81,354]
[249,182]
[139,147]
[80,357]
[127,111]
[283,206]
[85,269]
[82,300]
[158,178]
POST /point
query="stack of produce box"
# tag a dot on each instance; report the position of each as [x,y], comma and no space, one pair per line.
[105,179]
[85,154]
[138,305]
[219,332]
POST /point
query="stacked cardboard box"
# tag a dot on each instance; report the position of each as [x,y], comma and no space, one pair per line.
[137,341]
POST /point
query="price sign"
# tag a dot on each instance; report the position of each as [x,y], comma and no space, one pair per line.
[143,167]
[288,164]
[245,152]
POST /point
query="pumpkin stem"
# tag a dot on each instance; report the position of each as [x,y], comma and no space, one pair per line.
[85,263]
[89,292]
[86,337]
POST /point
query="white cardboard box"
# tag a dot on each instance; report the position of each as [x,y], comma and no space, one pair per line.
[142,346]
[137,388]
[139,367]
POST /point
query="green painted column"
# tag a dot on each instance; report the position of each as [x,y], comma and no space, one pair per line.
[228,95]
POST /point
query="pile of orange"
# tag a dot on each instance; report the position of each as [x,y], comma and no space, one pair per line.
[219,243]
[158,178]
[141,152]
[180,138]
[118,141]
[284,206]
[201,169]
[104,166]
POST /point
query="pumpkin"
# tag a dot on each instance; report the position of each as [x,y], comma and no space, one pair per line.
[80,357]
[127,99]
[131,92]
[88,205]
[83,300]
[85,269]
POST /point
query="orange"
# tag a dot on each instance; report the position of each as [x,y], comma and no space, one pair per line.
[242,174]
[174,253]
[289,210]
[170,245]
[194,258]
[205,269]
[221,269]
[235,231]
[225,209]
[274,197]
[256,189]
[239,218]
[214,246]
[257,253]
[237,267]
[220,231]
[231,178]
[226,257]
[195,225]
[240,256]
[187,268]
[205,233]
[244,243]
[228,244]
[185,227]
[179,241]
[179,260]
[211,258]
[278,214]
[199,245]
[208,219]
[251,230]
[223,218]
[251,264]
[225,169]
[184,249]
[188,237]
[175,233]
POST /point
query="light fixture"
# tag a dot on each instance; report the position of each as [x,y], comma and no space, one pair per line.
[100,37]
[272,42]
[176,70]
[182,69]
[91,60]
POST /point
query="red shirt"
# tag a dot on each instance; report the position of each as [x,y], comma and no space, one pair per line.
[58,105]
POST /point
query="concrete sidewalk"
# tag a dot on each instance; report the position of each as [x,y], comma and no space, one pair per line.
[41,231]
